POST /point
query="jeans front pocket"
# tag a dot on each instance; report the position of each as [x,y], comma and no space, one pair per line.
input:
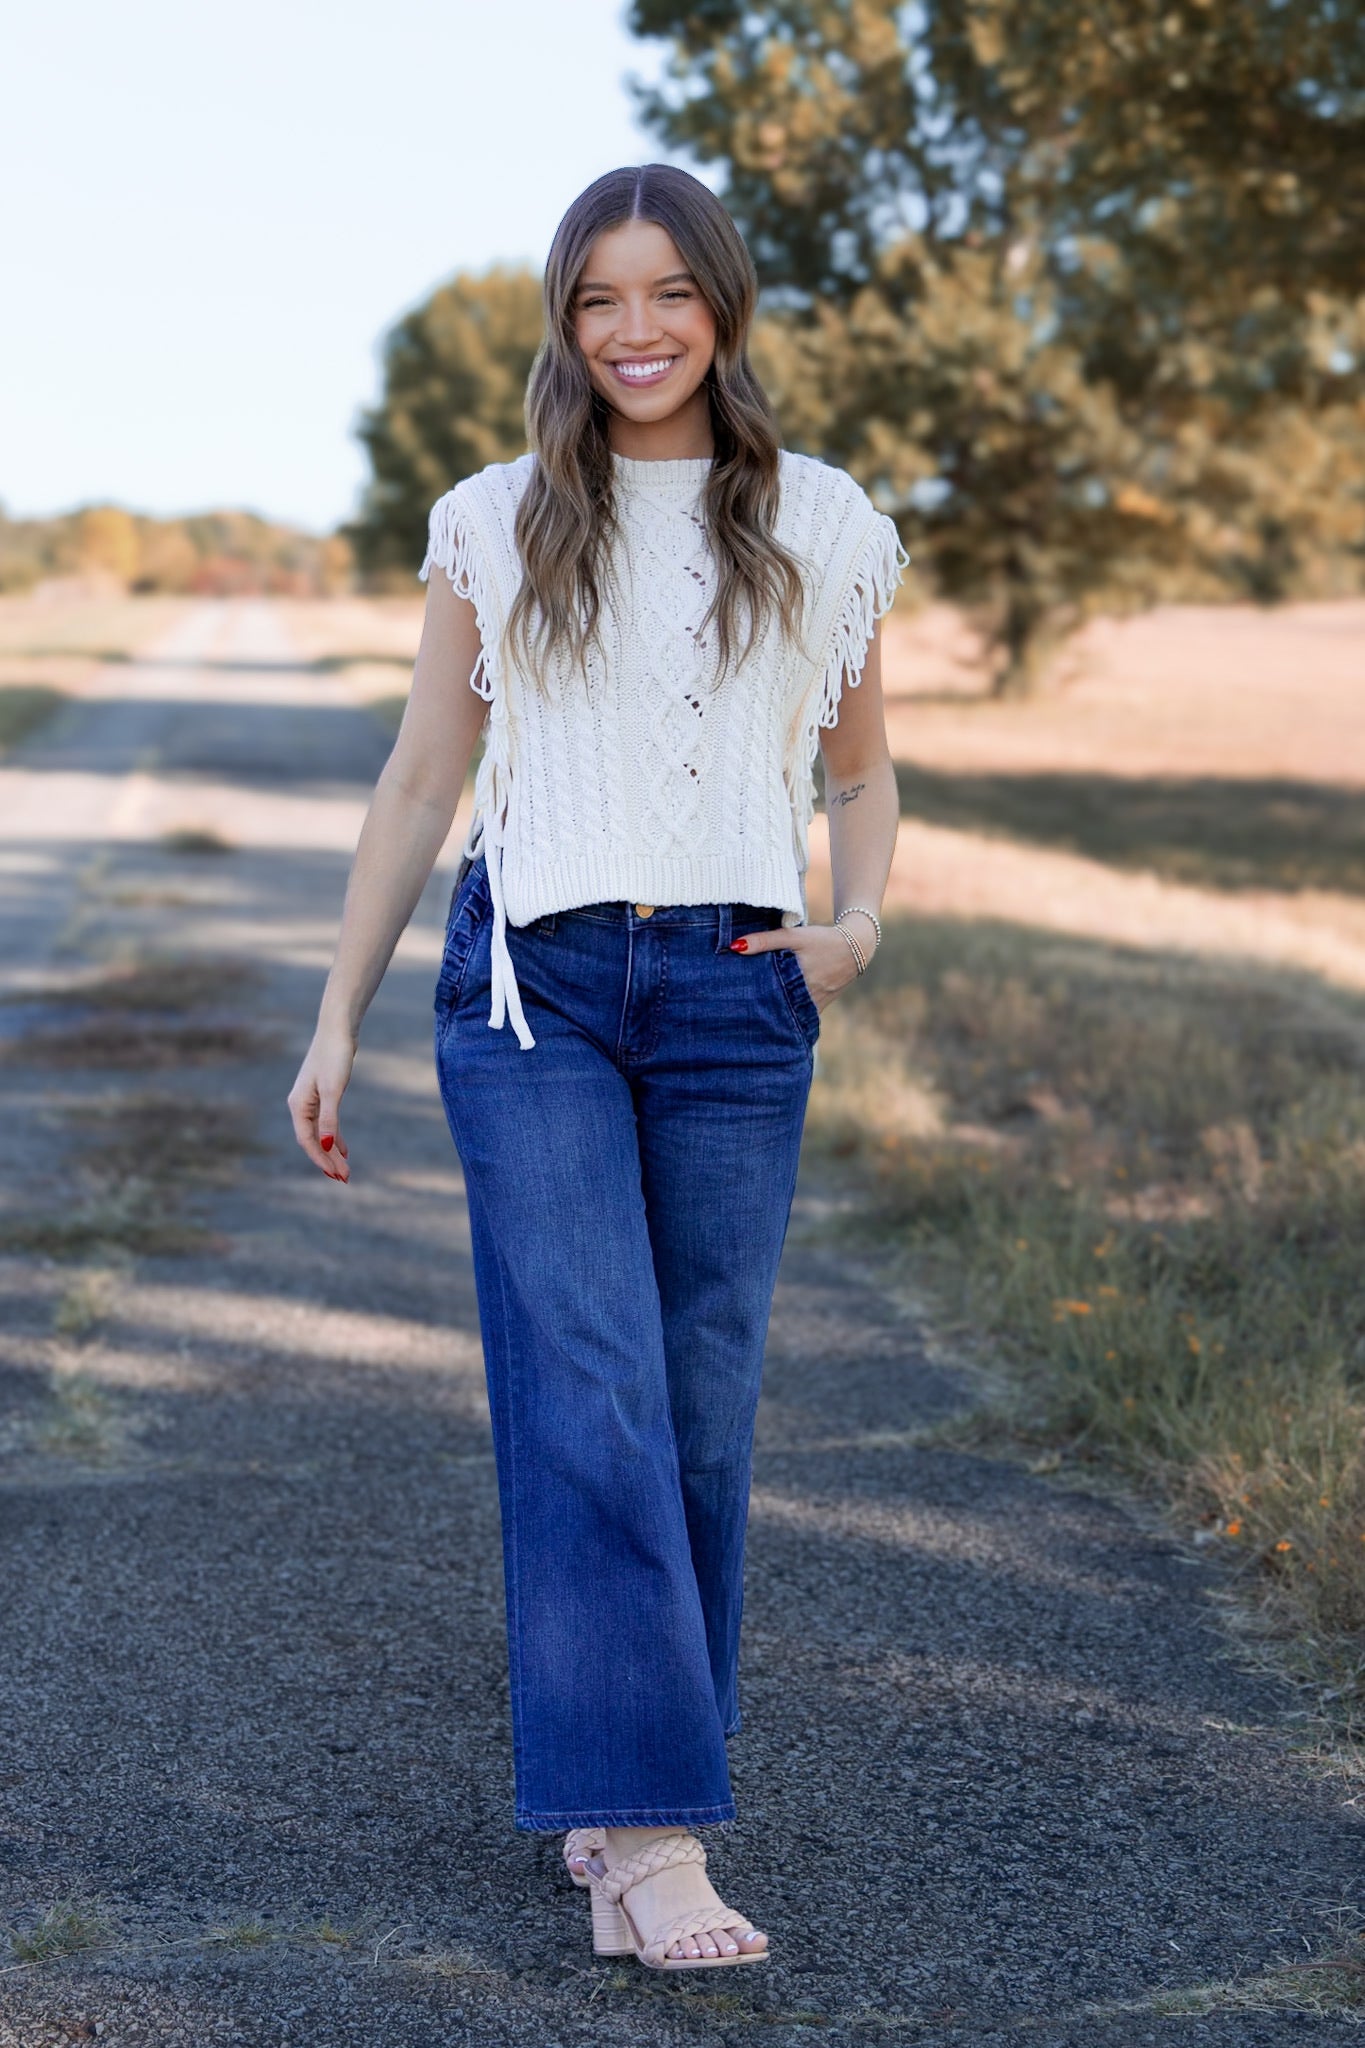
[468,903]
[799,999]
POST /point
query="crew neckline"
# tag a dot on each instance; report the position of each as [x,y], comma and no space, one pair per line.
[684,469]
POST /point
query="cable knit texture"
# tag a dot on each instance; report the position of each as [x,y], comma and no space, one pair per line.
[645,779]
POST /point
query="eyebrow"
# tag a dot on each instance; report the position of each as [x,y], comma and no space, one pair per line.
[589,284]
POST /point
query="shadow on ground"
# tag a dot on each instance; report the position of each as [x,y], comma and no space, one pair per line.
[1207,831]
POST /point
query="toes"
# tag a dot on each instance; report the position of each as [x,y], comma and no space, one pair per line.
[754,1941]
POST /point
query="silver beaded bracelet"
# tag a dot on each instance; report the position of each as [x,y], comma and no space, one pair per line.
[861,910]
[859,957]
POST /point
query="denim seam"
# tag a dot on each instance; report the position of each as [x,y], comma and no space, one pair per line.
[648,1051]
[511,1545]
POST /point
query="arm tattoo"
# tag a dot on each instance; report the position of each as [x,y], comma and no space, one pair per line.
[850,796]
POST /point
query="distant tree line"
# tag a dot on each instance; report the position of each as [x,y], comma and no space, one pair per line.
[1073,289]
[207,554]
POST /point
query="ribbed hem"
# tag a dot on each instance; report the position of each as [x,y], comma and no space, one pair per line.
[534,890]
[627,1817]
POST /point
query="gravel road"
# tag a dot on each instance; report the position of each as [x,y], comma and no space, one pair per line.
[1000,1781]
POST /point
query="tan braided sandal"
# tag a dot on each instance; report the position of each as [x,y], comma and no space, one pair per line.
[614,1932]
[581,1843]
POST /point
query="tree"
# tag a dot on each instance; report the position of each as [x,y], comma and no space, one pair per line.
[106,538]
[455,373]
[974,421]
[1064,285]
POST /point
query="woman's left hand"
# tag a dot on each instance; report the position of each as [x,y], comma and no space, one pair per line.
[826,957]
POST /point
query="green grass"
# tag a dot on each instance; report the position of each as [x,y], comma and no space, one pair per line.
[64,1929]
[23,708]
[1145,1178]
[1212,831]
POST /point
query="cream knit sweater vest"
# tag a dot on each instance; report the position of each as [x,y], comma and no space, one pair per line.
[645,780]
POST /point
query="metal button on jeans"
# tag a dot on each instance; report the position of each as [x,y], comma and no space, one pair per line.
[644,910]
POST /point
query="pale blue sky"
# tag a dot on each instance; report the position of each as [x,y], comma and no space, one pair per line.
[211,215]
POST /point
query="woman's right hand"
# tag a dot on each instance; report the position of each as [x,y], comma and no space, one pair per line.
[315,1100]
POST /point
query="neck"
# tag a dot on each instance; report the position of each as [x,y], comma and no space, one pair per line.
[684,435]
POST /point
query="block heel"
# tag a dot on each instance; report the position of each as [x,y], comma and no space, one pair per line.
[610,1934]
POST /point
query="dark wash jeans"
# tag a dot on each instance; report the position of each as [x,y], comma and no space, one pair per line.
[629,1179]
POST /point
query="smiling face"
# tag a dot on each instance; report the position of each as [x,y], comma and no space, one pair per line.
[648,338]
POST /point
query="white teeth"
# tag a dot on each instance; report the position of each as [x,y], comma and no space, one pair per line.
[642,369]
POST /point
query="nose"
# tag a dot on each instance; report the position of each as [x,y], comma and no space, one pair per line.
[639,323]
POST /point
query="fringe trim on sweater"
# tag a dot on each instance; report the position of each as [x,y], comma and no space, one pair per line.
[876,573]
[450,547]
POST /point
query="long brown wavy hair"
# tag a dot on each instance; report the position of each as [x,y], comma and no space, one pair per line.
[566,516]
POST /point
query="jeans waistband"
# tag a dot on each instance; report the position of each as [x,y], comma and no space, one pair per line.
[706,916]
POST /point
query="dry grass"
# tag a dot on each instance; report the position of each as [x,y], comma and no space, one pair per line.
[194,839]
[63,1929]
[1333,1982]
[87,1302]
[139,1043]
[137,1217]
[166,983]
[1206,831]
[139,1159]
[1106,1085]
[1146,1178]
[163,1139]
[341,664]
[140,1162]
[139,1015]
[23,708]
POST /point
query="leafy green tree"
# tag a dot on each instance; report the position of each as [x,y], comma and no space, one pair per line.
[1065,285]
[455,372]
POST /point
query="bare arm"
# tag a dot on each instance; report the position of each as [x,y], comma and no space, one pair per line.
[861,798]
[864,810]
[405,828]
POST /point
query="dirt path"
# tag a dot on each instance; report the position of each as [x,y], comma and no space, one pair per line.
[999,1783]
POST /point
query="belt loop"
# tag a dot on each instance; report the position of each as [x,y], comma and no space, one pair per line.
[723,927]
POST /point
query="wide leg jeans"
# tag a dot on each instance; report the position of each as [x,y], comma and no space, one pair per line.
[629,1179]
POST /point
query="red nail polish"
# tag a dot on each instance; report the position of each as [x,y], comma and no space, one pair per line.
[739,945]
[327,1143]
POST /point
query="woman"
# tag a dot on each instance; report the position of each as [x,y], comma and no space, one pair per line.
[651,619]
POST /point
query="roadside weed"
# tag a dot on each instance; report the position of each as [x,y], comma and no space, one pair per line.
[1145,1178]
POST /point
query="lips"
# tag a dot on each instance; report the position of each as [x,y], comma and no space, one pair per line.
[642,370]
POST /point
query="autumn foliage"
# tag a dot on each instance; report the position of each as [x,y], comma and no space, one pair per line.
[216,554]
